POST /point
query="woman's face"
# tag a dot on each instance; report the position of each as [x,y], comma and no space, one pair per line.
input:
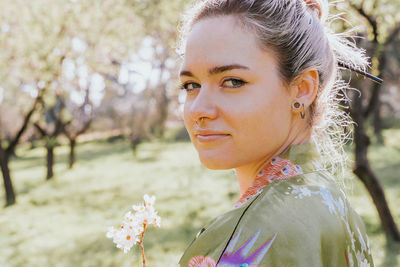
[235,87]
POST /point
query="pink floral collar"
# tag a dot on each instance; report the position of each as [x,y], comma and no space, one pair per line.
[296,160]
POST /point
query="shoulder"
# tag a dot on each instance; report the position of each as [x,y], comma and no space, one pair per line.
[314,197]
[307,220]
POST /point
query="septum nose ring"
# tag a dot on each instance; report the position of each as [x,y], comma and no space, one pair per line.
[200,121]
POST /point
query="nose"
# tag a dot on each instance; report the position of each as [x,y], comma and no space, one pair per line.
[203,105]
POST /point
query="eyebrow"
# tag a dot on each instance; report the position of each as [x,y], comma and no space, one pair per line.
[216,70]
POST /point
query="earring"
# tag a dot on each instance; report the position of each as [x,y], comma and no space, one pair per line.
[297,106]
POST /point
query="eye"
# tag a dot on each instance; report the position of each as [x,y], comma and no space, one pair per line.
[190,86]
[233,83]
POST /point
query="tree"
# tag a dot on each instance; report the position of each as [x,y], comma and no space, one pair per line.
[383,32]
[34,44]
[384,29]
[363,168]
[140,101]
[83,116]
[54,126]
[130,105]
[7,148]
[163,32]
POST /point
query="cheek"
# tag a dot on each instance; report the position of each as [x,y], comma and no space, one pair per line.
[262,123]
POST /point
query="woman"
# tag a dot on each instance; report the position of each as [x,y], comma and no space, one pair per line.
[262,98]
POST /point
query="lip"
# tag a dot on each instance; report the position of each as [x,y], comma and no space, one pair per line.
[204,135]
[211,137]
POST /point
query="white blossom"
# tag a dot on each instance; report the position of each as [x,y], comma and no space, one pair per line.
[133,225]
[79,45]
[149,201]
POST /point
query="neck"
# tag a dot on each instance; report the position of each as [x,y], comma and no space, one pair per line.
[247,173]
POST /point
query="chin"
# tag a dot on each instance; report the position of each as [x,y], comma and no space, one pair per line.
[217,163]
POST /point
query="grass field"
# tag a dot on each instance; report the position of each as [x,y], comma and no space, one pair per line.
[63,222]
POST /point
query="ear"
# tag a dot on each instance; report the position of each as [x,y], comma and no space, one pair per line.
[305,87]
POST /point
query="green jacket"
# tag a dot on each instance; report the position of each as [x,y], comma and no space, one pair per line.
[302,221]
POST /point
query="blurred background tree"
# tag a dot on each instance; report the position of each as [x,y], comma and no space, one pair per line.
[92,56]
[379,29]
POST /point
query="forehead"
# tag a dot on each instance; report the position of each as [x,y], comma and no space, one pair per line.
[222,40]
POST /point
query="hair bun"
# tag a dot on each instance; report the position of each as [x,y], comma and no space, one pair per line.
[314,5]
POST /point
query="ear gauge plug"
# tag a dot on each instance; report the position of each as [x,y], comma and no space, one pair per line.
[297,106]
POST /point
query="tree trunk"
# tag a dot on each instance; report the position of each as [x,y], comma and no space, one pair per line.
[135,140]
[374,104]
[366,174]
[5,155]
[50,161]
[378,122]
[72,143]
[8,186]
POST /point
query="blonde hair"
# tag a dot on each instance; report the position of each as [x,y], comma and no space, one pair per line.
[299,35]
